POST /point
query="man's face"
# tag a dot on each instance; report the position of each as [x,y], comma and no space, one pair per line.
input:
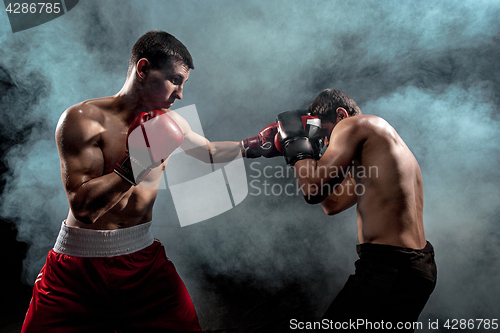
[164,86]
[327,125]
[327,128]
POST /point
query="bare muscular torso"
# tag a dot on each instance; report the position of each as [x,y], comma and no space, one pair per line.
[390,209]
[385,181]
[91,138]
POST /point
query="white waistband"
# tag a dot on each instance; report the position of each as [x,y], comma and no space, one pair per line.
[78,242]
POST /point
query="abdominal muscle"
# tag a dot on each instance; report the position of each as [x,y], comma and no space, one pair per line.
[391,221]
[135,208]
[390,210]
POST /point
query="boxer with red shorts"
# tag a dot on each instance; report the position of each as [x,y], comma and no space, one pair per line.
[100,281]
[106,273]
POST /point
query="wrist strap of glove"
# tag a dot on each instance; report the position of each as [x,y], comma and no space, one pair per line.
[297,149]
[125,170]
[317,146]
[250,147]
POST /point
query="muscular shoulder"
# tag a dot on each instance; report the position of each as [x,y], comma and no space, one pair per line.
[381,129]
[80,123]
[355,128]
[366,126]
[364,122]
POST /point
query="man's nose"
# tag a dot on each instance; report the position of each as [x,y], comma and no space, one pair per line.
[178,93]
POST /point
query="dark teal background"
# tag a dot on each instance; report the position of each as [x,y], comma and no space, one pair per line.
[429,68]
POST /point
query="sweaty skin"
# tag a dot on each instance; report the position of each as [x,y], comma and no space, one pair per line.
[91,139]
[384,173]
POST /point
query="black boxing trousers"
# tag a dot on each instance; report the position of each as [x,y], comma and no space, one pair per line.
[391,284]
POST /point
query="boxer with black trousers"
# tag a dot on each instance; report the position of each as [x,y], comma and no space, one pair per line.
[367,164]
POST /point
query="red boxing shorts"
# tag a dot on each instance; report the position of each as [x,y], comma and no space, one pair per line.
[109,281]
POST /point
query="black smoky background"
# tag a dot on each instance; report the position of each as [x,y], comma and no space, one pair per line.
[431,73]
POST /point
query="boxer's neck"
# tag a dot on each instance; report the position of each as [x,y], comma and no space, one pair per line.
[130,100]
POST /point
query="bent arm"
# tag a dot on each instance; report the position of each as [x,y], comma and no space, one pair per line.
[319,179]
[342,198]
[90,193]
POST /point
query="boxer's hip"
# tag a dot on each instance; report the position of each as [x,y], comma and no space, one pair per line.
[405,260]
[78,242]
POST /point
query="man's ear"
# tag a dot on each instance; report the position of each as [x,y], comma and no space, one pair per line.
[342,113]
[143,67]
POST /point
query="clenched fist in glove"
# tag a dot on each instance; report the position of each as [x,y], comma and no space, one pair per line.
[152,137]
[262,144]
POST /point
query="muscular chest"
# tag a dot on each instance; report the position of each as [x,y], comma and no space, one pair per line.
[113,145]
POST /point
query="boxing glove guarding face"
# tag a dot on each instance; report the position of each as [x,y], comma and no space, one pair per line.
[300,135]
[151,138]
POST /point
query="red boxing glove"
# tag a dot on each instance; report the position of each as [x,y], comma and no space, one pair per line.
[262,144]
[152,137]
[277,142]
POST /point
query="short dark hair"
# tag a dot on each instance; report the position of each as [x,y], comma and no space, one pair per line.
[326,103]
[159,47]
